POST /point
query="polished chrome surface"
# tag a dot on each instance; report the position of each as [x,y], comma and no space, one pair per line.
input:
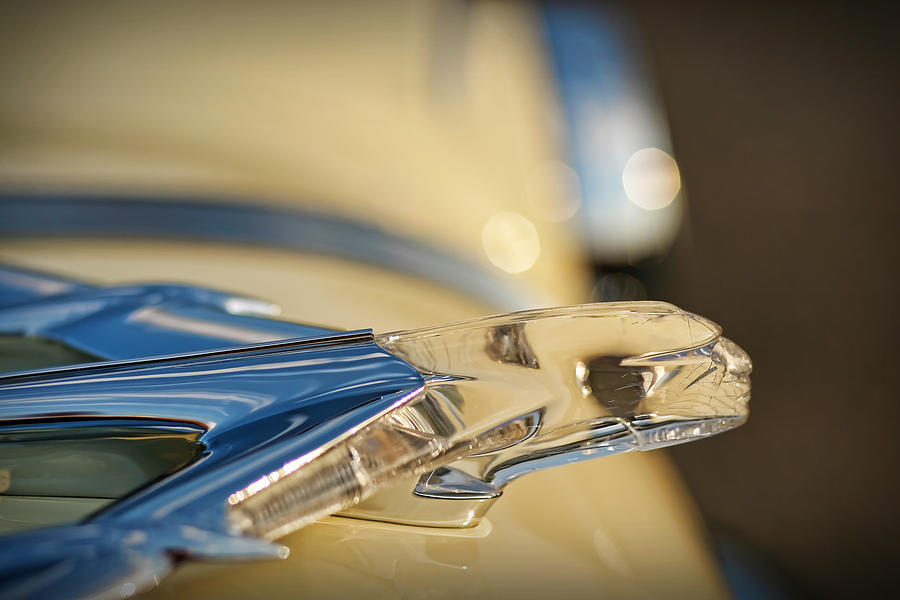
[261,408]
[257,406]
[137,320]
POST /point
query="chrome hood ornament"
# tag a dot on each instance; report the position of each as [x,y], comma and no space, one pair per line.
[424,426]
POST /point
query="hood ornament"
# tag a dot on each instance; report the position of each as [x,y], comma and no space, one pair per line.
[424,426]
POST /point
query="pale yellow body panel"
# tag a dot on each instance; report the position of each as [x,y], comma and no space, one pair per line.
[619,527]
[337,110]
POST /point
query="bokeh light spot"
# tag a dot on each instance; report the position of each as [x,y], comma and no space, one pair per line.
[651,179]
[511,242]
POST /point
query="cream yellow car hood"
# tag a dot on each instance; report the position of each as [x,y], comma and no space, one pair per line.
[339,110]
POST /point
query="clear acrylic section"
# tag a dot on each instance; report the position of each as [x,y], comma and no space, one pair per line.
[578,382]
[512,394]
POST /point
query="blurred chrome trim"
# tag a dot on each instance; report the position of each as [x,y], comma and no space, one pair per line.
[197,219]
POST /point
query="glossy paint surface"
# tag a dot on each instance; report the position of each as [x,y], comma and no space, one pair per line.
[620,527]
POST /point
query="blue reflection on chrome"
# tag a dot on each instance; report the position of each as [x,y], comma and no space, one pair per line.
[259,406]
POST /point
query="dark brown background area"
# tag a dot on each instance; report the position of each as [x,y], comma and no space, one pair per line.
[785,125]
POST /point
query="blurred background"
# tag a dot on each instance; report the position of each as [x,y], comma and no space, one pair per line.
[736,159]
[781,117]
